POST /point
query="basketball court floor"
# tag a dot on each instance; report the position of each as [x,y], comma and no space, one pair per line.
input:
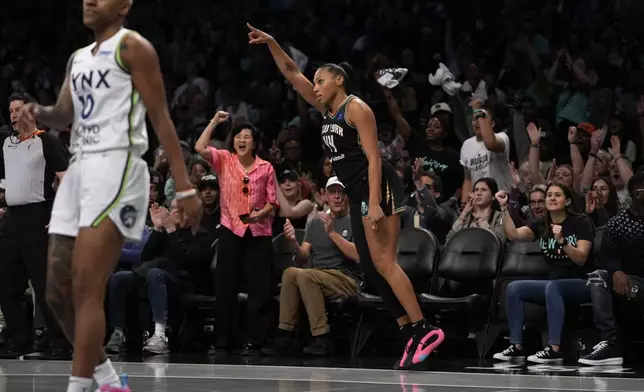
[159,374]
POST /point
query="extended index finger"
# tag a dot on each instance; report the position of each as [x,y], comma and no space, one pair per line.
[250,27]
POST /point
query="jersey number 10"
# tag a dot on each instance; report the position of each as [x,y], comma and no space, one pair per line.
[88,105]
[328,141]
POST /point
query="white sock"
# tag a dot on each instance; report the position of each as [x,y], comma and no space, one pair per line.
[104,374]
[79,384]
[159,329]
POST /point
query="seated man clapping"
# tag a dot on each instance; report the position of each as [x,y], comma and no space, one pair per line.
[333,273]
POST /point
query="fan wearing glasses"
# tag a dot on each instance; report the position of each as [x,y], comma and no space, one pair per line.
[248,197]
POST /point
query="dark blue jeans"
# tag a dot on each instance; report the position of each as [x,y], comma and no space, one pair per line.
[554,294]
[158,283]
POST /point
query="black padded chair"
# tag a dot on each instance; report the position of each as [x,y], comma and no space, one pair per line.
[198,309]
[522,260]
[417,253]
[471,258]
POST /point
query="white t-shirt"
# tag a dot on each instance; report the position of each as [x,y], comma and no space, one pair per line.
[482,162]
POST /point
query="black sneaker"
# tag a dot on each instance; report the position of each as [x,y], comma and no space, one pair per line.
[547,355]
[16,351]
[284,344]
[320,346]
[250,350]
[604,353]
[511,353]
[58,351]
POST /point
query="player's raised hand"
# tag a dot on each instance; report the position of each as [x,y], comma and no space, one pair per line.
[257,36]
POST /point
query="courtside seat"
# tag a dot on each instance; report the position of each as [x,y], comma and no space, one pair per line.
[471,257]
[198,309]
[417,253]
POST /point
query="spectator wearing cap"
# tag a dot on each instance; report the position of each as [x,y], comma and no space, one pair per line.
[430,147]
[209,190]
[248,198]
[333,273]
[30,161]
[584,134]
[486,154]
[292,206]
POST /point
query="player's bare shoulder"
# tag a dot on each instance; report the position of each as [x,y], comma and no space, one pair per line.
[135,50]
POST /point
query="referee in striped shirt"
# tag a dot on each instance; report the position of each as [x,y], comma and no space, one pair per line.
[31,160]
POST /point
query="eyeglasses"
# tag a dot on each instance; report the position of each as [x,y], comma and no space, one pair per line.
[245,189]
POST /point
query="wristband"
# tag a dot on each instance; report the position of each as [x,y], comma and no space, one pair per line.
[185,194]
[592,154]
[535,145]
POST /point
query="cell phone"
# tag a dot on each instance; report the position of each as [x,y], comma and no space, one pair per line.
[243,217]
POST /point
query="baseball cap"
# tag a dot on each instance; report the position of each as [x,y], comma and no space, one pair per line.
[440,107]
[290,175]
[588,127]
[208,180]
[334,181]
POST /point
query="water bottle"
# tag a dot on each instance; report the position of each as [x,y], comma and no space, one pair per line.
[124,380]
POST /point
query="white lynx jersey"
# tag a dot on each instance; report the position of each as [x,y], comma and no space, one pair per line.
[108,113]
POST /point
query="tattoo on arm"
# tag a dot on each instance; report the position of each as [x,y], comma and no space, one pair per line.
[59,282]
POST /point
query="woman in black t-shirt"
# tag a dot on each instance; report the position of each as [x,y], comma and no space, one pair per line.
[566,239]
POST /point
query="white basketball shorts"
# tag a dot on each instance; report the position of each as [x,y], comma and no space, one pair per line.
[97,186]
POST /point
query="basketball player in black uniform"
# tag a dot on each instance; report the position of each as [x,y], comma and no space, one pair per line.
[375,192]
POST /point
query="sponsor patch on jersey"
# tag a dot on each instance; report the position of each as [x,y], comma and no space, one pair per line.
[129,215]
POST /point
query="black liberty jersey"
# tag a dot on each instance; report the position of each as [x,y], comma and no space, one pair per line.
[342,146]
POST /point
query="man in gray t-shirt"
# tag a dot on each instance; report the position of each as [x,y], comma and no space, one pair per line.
[334,273]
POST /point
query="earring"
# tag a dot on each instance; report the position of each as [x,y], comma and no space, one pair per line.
[567,202]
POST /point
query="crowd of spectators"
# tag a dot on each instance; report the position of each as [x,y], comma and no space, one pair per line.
[531,125]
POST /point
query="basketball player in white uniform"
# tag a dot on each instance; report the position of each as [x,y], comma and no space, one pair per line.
[103,197]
